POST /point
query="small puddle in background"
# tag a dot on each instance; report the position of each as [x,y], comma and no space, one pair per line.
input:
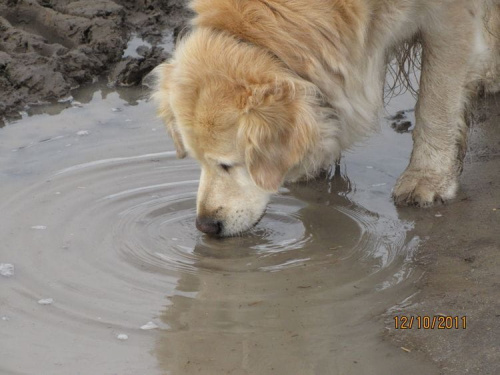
[98,215]
[135,41]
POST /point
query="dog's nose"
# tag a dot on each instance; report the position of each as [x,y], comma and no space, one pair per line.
[208,225]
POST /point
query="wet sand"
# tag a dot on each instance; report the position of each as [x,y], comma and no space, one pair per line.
[98,216]
[461,260]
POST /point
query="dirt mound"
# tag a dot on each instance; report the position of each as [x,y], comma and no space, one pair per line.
[48,47]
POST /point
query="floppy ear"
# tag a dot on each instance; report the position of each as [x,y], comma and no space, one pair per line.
[163,74]
[277,130]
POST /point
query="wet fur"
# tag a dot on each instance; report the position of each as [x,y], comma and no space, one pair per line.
[279,88]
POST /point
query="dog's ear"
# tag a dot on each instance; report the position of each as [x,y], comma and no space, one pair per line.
[265,97]
[161,96]
[277,129]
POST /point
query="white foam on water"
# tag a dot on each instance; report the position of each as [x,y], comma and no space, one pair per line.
[6,269]
[148,326]
[46,301]
[39,227]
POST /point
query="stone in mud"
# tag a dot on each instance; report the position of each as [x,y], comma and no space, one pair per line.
[401,126]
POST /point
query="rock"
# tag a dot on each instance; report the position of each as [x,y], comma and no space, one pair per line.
[401,126]
[143,51]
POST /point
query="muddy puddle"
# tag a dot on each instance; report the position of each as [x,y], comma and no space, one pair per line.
[110,275]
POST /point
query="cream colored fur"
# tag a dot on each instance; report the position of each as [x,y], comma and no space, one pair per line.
[276,89]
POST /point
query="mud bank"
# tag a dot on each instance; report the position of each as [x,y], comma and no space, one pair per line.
[460,258]
[48,47]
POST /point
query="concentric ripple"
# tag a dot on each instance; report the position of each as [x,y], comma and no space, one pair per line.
[110,237]
[150,223]
[142,209]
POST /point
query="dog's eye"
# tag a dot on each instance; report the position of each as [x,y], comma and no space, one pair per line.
[226,167]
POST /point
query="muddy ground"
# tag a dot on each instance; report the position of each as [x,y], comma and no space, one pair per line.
[48,47]
[460,258]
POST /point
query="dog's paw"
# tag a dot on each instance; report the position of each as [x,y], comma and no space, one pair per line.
[424,189]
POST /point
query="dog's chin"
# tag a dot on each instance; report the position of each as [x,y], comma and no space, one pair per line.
[237,231]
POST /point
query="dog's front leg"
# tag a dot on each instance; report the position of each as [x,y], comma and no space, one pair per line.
[440,131]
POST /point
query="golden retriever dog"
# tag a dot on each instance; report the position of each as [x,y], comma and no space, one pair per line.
[266,91]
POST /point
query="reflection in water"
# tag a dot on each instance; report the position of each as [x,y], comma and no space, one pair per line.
[232,315]
[84,95]
[300,294]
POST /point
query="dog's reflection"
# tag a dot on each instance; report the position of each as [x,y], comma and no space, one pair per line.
[232,317]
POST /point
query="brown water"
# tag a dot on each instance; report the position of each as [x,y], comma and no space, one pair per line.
[98,215]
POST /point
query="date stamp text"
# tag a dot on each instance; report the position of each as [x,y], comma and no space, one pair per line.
[430,322]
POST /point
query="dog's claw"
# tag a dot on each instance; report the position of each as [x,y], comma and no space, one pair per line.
[424,189]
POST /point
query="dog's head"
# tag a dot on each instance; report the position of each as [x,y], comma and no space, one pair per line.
[243,116]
